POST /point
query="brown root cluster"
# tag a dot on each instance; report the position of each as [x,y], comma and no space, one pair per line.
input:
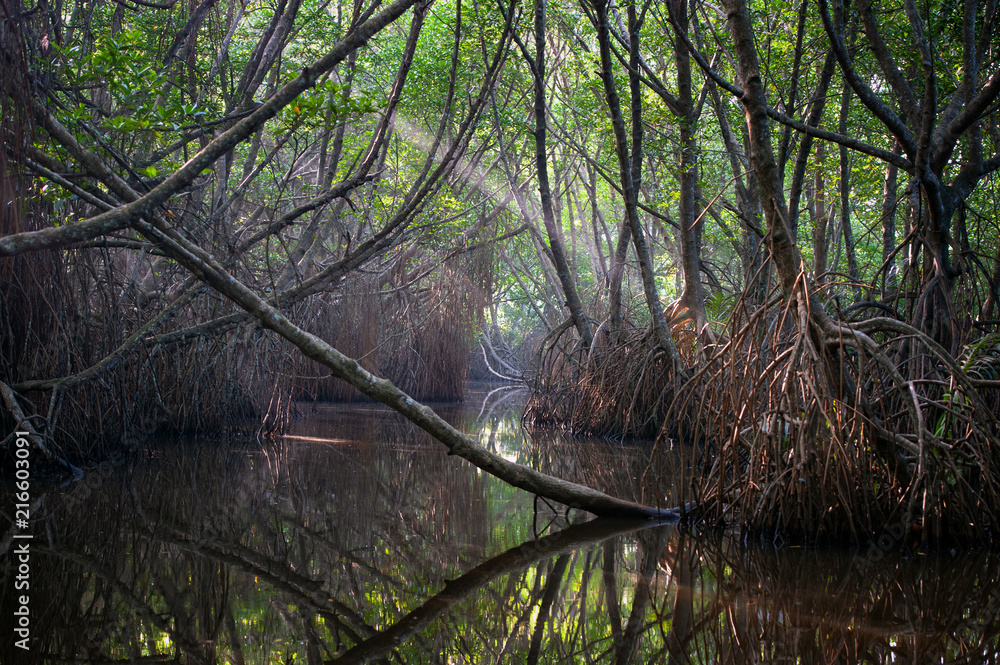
[621,387]
[797,427]
[804,429]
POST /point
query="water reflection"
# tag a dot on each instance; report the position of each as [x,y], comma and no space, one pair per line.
[358,540]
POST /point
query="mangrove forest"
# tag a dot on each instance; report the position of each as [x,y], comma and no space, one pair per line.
[461,331]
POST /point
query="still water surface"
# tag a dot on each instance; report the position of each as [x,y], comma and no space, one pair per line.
[356,539]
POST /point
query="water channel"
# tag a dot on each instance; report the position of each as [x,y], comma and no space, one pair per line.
[356,539]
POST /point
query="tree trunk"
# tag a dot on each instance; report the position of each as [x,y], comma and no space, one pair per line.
[747,201]
[821,215]
[783,252]
[552,585]
[889,227]
[642,251]
[805,143]
[845,200]
[563,270]
[690,231]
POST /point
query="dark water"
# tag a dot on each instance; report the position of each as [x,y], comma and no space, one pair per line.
[356,539]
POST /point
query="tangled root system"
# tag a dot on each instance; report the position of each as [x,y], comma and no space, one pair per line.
[803,429]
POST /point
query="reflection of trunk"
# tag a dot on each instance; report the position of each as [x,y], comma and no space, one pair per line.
[235,639]
[682,618]
[140,611]
[548,598]
[643,596]
[458,590]
[733,643]
[610,580]
[301,554]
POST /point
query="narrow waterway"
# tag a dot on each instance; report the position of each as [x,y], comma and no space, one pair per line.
[356,539]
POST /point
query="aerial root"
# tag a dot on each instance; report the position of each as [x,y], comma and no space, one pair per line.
[809,430]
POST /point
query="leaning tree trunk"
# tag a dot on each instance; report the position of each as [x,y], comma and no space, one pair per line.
[142,213]
[206,268]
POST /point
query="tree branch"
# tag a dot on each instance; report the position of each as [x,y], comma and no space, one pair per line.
[867,96]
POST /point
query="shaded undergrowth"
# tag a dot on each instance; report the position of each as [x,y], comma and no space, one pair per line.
[84,358]
[103,346]
[621,387]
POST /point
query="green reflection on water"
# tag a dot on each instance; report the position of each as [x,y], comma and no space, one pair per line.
[357,539]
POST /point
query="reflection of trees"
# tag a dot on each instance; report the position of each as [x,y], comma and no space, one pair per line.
[343,550]
[765,606]
[201,551]
[561,544]
[623,469]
